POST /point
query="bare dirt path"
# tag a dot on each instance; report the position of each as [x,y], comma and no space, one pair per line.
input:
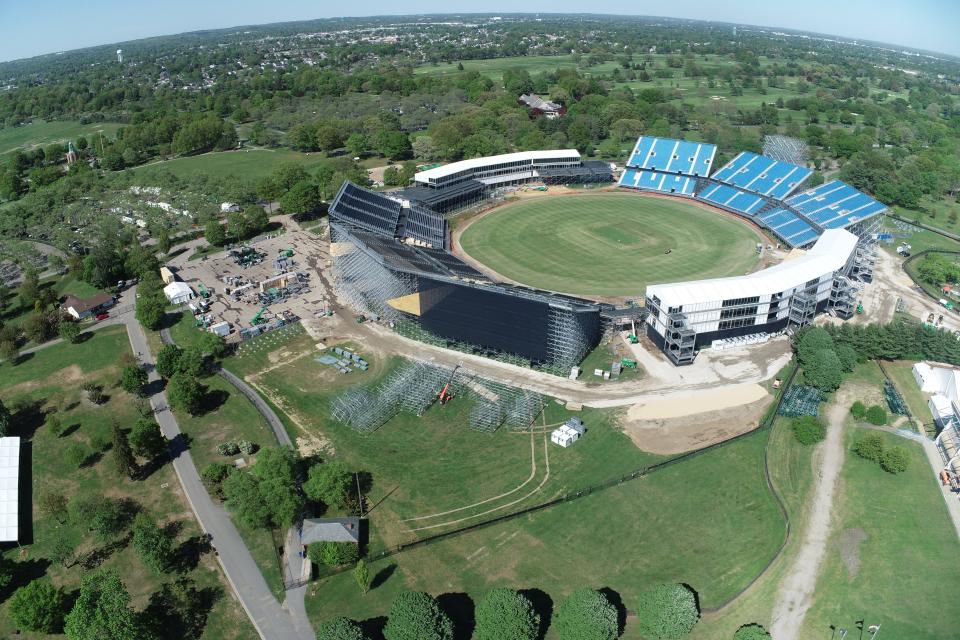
[796,591]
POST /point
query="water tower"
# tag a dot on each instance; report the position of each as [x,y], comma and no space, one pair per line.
[119,55]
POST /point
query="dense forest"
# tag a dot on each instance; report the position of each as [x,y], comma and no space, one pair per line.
[885,121]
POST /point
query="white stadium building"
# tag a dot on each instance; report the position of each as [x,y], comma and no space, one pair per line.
[687,316]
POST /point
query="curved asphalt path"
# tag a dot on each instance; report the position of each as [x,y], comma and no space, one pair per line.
[270,619]
[295,567]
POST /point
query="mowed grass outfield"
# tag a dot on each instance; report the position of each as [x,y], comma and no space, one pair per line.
[608,244]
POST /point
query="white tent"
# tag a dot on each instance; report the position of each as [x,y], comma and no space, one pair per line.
[564,436]
[178,292]
[9,488]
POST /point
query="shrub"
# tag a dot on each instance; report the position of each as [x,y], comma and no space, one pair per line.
[504,613]
[94,392]
[895,460]
[809,430]
[228,448]
[751,632]
[876,415]
[76,454]
[213,476]
[39,607]
[414,615]
[340,629]
[587,614]
[667,611]
[246,447]
[870,447]
[858,410]
[333,553]
[54,424]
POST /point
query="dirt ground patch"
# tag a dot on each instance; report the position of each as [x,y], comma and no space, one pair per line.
[64,378]
[849,544]
[312,445]
[673,434]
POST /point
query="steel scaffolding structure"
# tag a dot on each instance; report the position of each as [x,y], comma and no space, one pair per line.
[413,387]
[567,342]
[786,149]
[365,283]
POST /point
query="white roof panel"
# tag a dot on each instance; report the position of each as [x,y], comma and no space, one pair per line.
[479,163]
[9,488]
[829,254]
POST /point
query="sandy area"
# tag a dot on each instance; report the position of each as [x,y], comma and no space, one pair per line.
[702,402]
[668,426]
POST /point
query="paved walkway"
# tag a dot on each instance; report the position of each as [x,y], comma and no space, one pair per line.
[936,463]
[271,621]
[796,591]
[296,569]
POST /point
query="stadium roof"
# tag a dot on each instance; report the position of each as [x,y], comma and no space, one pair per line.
[9,488]
[437,196]
[829,254]
[479,163]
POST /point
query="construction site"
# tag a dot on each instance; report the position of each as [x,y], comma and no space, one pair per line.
[264,284]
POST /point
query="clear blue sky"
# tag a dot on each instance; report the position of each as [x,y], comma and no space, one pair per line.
[29,28]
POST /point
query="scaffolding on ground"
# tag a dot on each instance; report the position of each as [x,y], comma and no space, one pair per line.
[414,386]
[786,149]
[894,399]
[801,400]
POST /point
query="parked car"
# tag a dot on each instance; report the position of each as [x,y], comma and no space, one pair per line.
[102,316]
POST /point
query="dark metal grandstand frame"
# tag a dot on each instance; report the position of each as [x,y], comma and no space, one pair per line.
[371,270]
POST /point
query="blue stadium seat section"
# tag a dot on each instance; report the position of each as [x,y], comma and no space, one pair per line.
[672,156]
[835,205]
[656,181]
[762,175]
[789,226]
[741,201]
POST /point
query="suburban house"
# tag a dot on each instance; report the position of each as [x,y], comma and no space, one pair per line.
[540,107]
[86,307]
[330,530]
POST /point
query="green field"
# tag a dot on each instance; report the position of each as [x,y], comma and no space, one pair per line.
[609,244]
[48,381]
[891,558]
[433,468]
[245,163]
[40,132]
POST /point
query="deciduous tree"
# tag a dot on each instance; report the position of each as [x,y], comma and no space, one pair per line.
[586,615]
[39,606]
[667,611]
[102,610]
[414,615]
[505,613]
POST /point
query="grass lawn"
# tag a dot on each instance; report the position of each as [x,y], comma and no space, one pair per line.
[650,528]
[901,372]
[247,163]
[791,471]
[889,560]
[230,416]
[601,358]
[709,522]
[609,244]
[51,379]
[40,132]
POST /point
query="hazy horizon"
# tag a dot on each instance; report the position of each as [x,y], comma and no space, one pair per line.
[932,30]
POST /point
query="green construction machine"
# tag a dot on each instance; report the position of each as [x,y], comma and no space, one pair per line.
[629,364]
[258,319]
[633,338]
[203,290]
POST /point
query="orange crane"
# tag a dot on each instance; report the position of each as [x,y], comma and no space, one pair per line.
[446,394]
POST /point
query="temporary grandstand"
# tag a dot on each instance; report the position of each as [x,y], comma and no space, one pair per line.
[757,187]
[430,294]
[688,316]
[461,181]
[667,166]
[389,217]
